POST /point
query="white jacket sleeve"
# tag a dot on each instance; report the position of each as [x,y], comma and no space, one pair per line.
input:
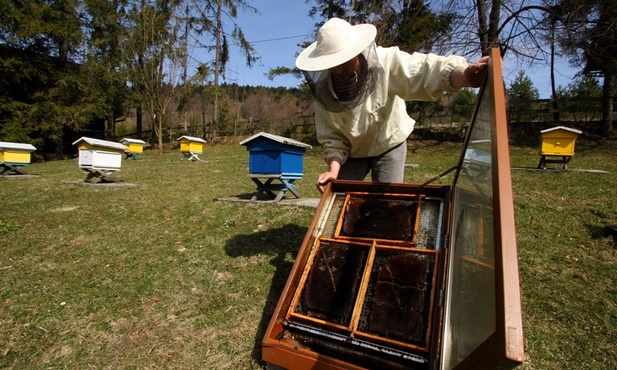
[420,76]
[334,142]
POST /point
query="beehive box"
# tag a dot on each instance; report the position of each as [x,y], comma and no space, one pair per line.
[558,141]
[191,144]
[135,146]
[410,276]
[274,154]
[99,154]
[15,154]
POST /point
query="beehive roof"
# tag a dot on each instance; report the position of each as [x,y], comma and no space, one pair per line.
[191,138]
[101,143]
[132,141]
[16,146]
[277,138]
[561,128]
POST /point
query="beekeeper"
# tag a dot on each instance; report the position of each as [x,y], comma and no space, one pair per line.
[360,90]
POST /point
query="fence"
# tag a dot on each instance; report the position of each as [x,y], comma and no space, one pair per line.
[528,118]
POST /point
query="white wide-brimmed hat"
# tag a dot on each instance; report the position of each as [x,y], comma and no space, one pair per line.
[337,42]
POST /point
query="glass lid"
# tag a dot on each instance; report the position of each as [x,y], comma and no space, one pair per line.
[482,320]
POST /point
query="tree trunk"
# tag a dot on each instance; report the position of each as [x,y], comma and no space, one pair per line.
[488,24]
[110,127]
[608,92]
[59,146]
[554,103]
[217,66]
[157,125]
[139,122]
[493,26]
[482,24]
[203,114]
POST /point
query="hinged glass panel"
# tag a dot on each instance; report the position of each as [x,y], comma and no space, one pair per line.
[482,325]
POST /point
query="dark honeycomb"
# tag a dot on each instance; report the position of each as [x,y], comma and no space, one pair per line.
[397,303]
[332,284]
[368,217]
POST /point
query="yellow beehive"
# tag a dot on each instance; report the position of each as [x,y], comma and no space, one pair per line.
[134,145]
[558,141]
[190,144]
[17,154]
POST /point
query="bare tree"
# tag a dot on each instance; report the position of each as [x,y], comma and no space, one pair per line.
[154,59]
[525,29]
[517,26]
[223,12]
[589,37]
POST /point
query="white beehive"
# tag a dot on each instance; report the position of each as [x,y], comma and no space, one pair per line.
[100,154]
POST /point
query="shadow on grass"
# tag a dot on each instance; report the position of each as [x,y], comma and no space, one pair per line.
[279,243]
[601,231]
[589,144]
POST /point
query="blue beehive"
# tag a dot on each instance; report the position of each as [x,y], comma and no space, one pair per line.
[275,155]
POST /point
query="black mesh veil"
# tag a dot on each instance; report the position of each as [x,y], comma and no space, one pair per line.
[337,100]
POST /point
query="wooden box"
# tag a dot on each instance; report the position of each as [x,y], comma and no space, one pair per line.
[99,154]
[135,146]
[410,276]
[15,154]
[190,144]
[558,141]
[273,154]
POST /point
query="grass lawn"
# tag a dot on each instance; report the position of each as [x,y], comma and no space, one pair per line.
[160,276]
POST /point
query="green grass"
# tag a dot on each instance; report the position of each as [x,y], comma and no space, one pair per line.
[161,276]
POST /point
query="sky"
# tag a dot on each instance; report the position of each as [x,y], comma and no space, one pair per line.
[275,34]
[283,24]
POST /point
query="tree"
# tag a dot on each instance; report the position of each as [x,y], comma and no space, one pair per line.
[411,24]
[408,24]
[206,11]
[154,59]
[107,31]
[590,39]
[326,9]
[23,76]
[520,27]
[582,99]
[462,106]
[424,112]
[44,86]
[522,97]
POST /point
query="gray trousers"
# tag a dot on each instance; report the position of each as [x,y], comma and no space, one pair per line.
[386,167]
